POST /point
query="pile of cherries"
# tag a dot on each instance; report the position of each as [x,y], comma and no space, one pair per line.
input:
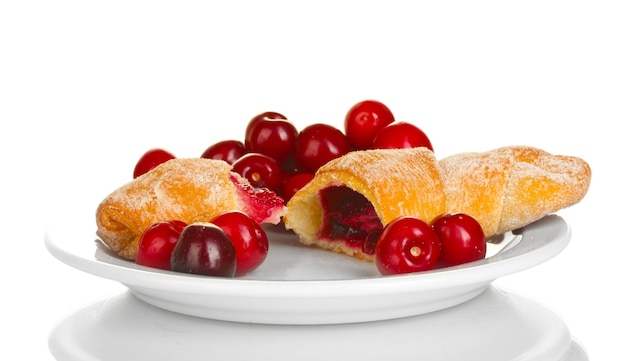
[276,156]
[232,244]
[408,244]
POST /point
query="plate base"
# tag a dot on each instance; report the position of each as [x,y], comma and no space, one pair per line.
[495,325]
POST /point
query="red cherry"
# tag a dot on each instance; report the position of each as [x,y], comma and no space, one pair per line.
[317,144]
[204,249]
[406,245]
[249,239]
[157,243]
[293,183]
[262,117]
[272,137]
[260,170]
[401,135]
[150,160]
[226,150]
[462,239]
[364,120]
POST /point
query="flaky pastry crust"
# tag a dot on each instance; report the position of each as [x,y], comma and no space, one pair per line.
[503,189]
[510,187]
[189,190]
[400,182]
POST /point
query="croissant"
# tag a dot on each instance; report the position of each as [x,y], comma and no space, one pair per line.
[504,189]
[507,188]
[345,206]
[190,190]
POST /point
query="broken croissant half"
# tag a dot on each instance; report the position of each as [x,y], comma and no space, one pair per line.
[189,190]
[351,199]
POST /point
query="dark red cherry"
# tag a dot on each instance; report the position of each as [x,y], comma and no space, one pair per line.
[260,118]
[462,239]
[293,182]
[226,150]
[364,120]
[317,144]
[401,135]
[157,243]
[407,245]
[150,160]
[248,237]
[204,249]
[260,170]
[272,137]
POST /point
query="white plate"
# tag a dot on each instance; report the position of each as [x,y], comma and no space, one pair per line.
[302,285]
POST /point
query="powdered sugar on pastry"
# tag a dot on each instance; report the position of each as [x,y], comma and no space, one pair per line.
[399,182]
[510,187]
[190,190]
[503,189]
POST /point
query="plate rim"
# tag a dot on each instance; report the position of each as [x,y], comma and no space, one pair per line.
[158,279]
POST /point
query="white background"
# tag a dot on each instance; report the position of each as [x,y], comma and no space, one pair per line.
[87,87]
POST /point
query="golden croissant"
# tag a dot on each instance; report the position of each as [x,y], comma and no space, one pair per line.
[189,190]
[351,198]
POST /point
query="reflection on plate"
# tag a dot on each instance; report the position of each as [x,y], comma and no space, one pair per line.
[303,285]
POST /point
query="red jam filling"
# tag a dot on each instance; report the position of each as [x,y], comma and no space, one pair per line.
[261,204]
[349,217]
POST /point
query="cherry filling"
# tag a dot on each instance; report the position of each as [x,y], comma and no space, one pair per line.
[261,204]
[349,217]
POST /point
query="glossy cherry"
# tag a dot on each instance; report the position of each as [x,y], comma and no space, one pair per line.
[272,137]
[204,249]
[406,245]
[226,150]
[262,117]
[317,144]
[157,243]
[293,182]
[462,239]
[248,237]
[260,170]
[150,160]
[401,135]
[364,120]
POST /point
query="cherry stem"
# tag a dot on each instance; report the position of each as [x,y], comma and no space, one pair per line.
[415,251]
